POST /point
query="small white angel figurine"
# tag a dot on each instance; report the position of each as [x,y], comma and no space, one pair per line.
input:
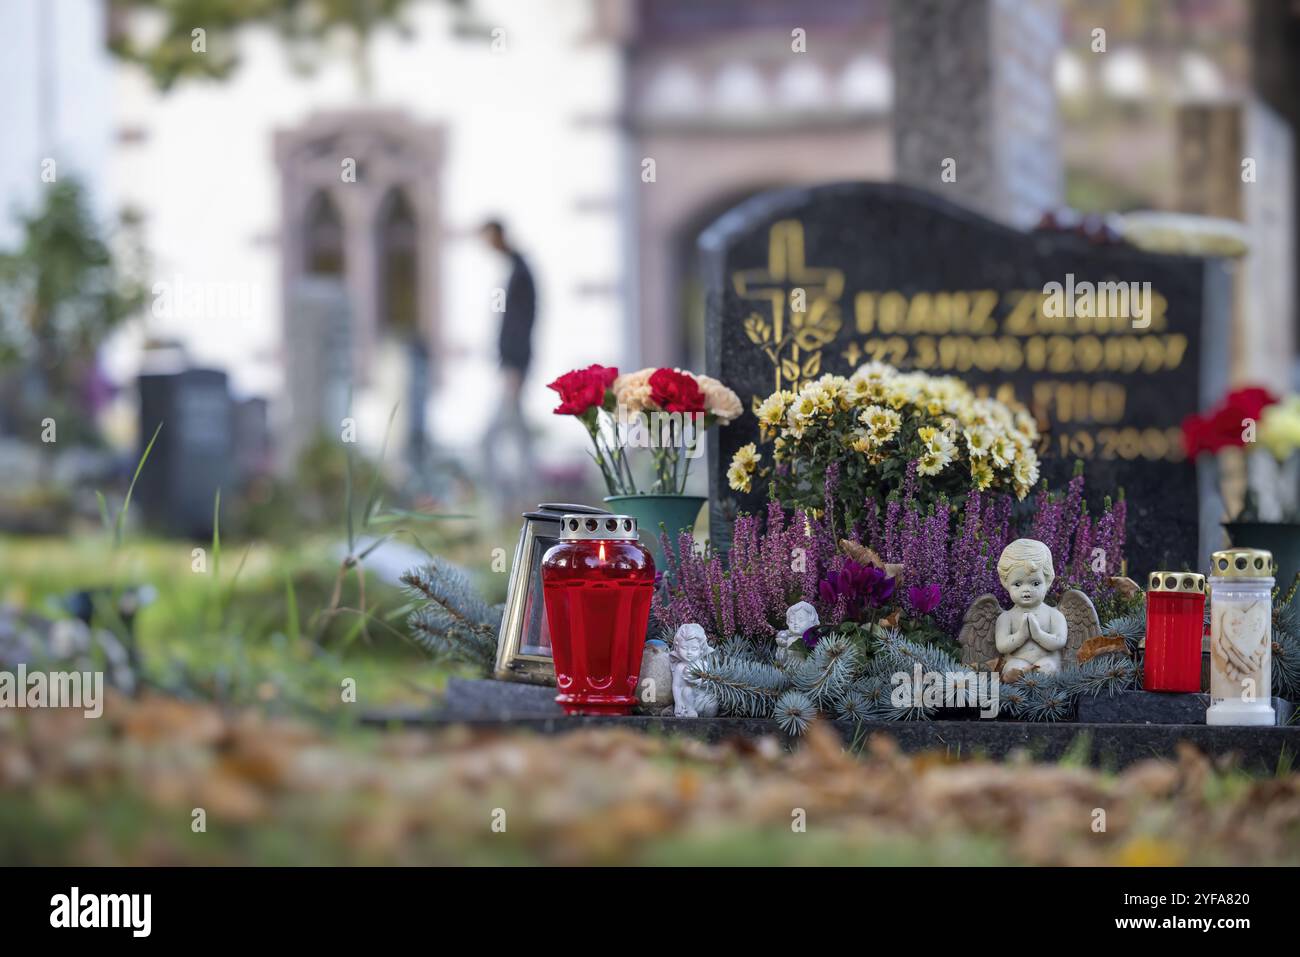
[689,700]
[1031,635]
[798,619]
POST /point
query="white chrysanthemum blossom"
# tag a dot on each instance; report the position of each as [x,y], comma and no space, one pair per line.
[746,456]
[1025,469]
[883,423]
[934,460]
[804,408]
[978,441]
[771,412]
[1002,451]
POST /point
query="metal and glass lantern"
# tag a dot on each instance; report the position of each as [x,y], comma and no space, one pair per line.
[1175,621]
[597,583]
[1241,637]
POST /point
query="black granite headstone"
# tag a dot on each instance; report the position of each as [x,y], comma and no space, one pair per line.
[891,273]
[194,453]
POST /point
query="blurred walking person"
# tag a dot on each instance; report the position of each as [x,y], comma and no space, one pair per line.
[507,444]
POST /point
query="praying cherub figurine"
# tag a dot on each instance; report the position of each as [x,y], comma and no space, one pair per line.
[1031,635]
[799,618]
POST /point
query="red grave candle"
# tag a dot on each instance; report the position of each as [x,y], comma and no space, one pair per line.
[597,583]
[1175,621]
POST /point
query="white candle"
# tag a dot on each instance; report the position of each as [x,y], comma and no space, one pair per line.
[1241,638]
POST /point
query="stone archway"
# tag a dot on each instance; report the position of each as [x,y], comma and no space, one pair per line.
[389,153]
[360,240]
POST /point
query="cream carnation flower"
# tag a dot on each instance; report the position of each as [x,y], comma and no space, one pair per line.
[632,390]
[719,401]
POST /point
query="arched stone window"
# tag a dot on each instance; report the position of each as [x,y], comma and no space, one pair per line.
[323,246]
[397,238]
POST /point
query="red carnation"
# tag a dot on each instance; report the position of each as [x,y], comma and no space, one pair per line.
[583,389]
[1222,427]
[674,391]
[1250,402]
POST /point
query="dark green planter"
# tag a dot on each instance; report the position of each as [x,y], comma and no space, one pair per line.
[675,512]
[1280,538]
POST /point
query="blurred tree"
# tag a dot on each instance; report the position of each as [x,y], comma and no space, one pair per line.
[62,291]
[169,49]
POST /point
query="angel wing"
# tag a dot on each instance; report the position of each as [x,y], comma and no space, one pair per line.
[978,637]
[1081,622]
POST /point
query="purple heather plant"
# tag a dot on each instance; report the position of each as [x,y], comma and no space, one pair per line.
[957,549]
[770,566]
[949,553]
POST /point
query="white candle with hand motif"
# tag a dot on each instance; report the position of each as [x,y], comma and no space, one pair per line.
[1241,638]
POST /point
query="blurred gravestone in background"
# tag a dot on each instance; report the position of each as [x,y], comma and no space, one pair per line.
[975,113]
[194,454]
[1235,162]
[252,439]
[900,276]
[318,363]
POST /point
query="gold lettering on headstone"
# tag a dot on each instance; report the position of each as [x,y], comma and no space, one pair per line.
[971,331]
[791,339]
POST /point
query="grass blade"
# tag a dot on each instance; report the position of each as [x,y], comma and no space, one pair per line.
[216,536]
[291,602]
[372,546]
[126,503]
[103,511]
[372,498]
[347,502]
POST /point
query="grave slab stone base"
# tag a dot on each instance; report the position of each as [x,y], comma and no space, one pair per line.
[502,706]
[1153,707]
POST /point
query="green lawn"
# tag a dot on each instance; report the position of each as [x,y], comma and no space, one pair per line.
[253,626]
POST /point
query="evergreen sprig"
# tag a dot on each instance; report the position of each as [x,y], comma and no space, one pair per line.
[453,623]
[1286,648]
[742,687]
[826,675]
[794,711]
[847,678]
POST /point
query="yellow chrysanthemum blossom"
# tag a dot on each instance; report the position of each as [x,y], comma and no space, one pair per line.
[738,479]
[747,457]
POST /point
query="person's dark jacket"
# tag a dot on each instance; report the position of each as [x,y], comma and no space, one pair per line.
[517,323]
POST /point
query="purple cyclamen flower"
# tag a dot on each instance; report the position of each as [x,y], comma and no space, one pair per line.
[923,598]
[859,586]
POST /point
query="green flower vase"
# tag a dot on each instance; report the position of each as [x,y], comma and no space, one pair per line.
[674,512]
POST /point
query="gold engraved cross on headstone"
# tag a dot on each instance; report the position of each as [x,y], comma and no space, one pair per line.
[804,307]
